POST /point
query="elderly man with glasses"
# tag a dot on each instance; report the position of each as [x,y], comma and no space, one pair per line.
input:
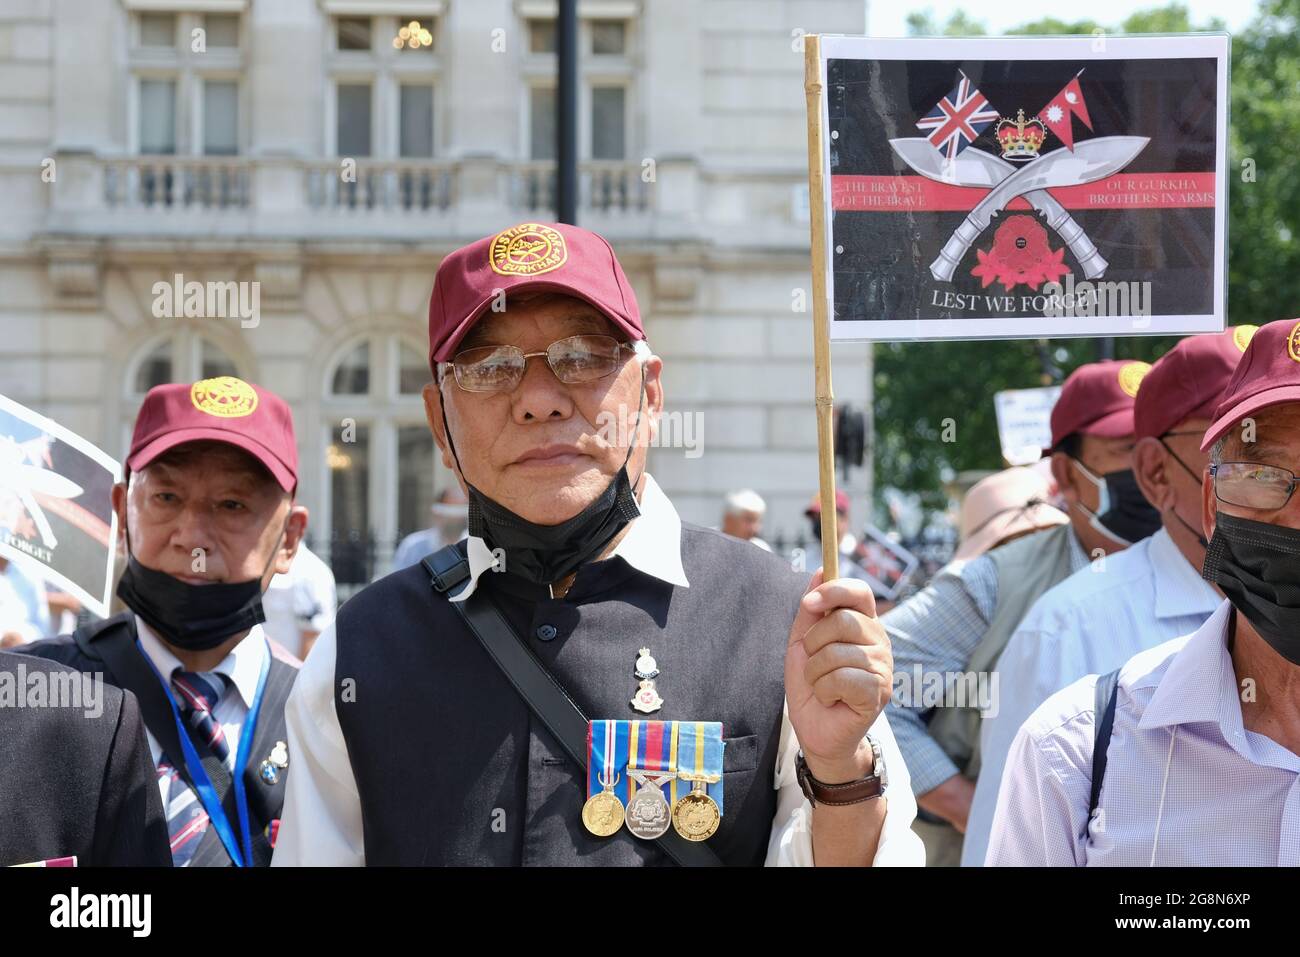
[581,678]
[1189,754]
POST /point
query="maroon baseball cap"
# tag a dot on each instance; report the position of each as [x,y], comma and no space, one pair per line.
[550,257]
[1188,381]
[1097,399]
[221,409]
[1268,374]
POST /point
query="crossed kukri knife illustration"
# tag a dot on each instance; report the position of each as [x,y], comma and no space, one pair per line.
[1090,161]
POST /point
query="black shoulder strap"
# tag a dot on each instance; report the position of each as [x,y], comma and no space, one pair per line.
[1106,694]
[114,642]
[543,694]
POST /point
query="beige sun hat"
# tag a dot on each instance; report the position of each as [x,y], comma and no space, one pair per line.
[1007,503]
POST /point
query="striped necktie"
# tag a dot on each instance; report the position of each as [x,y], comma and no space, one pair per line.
[197,695]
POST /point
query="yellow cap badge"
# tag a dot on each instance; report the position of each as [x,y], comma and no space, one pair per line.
[1131,375]
[225,397]
[1293,343]
[1242,335]
[528,249]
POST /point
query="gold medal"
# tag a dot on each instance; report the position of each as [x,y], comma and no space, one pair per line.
[696,816]
[602,815]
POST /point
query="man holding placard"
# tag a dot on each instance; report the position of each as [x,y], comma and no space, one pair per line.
[581,679]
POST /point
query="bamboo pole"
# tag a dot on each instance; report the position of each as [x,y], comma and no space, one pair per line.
[812,78]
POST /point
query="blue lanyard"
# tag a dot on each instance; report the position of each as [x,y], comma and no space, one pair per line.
[203,784]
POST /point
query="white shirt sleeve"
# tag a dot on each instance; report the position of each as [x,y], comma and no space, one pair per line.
[1041,819]
[791,841]
[321,821]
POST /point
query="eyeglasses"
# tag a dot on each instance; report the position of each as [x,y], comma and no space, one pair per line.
[574,360]
[1249,485]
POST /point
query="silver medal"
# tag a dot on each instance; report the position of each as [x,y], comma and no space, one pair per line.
[648,814]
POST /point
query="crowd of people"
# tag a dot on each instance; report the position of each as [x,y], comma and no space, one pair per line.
[1107,672]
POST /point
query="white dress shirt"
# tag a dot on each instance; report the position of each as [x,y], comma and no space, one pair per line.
[1186,784]
[304,599]
[243,665]
[321,823]
[1089,624]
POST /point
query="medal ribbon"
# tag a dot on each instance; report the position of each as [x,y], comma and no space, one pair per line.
[701,752]
[607,755]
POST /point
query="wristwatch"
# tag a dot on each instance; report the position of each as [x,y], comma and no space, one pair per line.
[851,792]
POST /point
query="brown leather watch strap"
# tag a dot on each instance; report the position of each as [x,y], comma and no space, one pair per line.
[837,795]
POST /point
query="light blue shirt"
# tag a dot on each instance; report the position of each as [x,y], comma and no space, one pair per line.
[1186,784]
[415,546]
[937,630]
[1089,624]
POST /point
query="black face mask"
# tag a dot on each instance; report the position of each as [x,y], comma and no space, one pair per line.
[1123,514]
[192,617]
[545,554]
[1257,566]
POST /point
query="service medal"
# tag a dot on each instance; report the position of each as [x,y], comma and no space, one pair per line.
[648,814]
[602,814]
[649,764]
[696,816]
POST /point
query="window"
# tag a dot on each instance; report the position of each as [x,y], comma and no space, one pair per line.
[154,369]
[608,37]
[352,377]
[384,72]
[607,72]
[415,457]
[608,123]
[352,33]
[158,116]
[351,545]
[416,121]
[221,30]
[213,362]
[542,123]
[158,30]
[354,121]
[184,101]
[220,117]
[541,36]
[381,465]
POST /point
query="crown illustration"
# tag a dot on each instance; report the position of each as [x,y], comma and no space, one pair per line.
[1020,138]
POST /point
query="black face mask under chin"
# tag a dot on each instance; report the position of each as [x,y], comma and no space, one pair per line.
[545,554]
[1257,566]
[191,617]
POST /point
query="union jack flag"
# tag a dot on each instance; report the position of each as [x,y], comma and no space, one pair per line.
[958,119]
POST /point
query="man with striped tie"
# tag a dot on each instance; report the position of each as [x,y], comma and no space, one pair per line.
[208,517]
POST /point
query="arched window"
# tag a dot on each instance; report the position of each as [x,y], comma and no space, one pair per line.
[381,462]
